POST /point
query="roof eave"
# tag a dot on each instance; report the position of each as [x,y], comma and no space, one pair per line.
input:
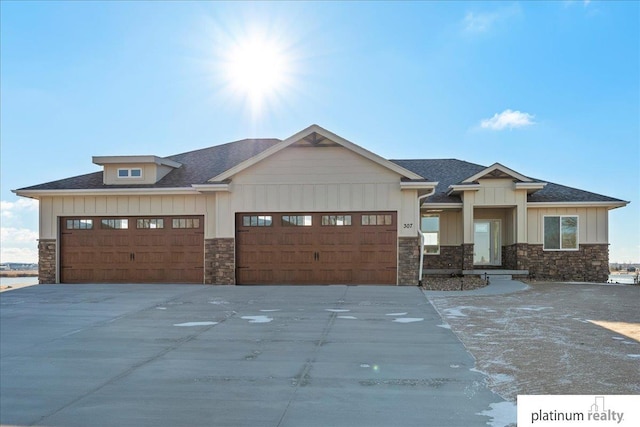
[609,205]
[37,194]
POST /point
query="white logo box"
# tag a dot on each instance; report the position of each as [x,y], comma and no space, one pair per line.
[619,410]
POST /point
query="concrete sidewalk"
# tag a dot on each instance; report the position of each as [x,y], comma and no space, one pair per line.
[167,355]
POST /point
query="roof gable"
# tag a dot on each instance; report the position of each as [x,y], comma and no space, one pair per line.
[316,136]
[496,170]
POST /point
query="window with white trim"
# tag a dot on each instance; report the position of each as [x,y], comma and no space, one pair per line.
[560,233]
[430,227]
[129,172]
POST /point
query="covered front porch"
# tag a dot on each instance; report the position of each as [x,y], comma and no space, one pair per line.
[486,243]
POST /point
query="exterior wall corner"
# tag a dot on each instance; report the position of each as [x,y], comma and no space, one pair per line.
[408,260]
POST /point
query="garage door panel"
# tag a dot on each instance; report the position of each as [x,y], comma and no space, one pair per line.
[323,248]
[101,253]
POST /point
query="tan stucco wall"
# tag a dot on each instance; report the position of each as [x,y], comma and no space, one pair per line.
[592,223]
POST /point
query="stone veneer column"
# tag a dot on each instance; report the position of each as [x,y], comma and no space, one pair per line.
[220,261]
[467,256]
[408,260]
[46,261]
[522,256]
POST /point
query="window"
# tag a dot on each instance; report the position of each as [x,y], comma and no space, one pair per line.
[336,220]
[79,224]
[561,232]
[430,227]
[115,224]
[130,173]
[297,221]
[377,219]
[150,223]
[186,223]
[257,220]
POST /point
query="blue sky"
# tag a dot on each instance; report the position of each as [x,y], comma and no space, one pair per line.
[550,89]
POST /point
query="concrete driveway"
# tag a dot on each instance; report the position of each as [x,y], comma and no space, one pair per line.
[171,355]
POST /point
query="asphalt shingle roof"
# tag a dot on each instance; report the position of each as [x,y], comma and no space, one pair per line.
[201,165]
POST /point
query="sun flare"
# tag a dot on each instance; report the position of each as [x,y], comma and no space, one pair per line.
[257,69]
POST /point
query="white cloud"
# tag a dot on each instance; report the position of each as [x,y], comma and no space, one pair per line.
[482,22]
[508,119]
[18,234]
[18,245]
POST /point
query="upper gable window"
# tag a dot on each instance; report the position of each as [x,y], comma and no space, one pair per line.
[129,172]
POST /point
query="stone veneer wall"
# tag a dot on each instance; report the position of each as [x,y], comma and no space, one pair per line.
[516,256]
[590,263]
[408,260]
[449,258]
[220,261]
[467,256]
[46,261]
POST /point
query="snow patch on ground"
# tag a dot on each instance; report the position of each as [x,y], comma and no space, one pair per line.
[502,414]
[195,324]
[617,338]
[408,319]
[337,310]
[634,356]
[397,314]
[218,302]
[161,308]
[444,325]
[257,319]
[270,311]
[534,308]
[365,365]
[347,317]
[454,312]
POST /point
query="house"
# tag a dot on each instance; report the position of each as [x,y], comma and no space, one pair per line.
[312,209]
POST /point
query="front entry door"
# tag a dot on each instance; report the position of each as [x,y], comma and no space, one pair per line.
[487,246]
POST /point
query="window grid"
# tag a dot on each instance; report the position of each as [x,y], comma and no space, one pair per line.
[257,220]
[185,223]
[79,224]
[115,224]
[384,219]
[148,223]
[130,173]
[297,220]
[336,220]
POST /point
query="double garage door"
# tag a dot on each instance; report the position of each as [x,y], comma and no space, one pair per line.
[159,249]
[316,248]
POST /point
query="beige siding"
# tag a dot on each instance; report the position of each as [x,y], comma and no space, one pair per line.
[592,223]
[496,192]
[51,208]
[149,174]
[316,179]
[451,228]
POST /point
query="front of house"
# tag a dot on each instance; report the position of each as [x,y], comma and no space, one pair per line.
[312,209]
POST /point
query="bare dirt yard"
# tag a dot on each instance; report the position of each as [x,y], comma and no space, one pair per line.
[552,338]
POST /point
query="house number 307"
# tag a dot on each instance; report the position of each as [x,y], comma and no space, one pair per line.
[408,226]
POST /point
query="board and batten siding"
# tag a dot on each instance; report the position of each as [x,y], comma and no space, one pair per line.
[316,179]
[51,208]
[592,223]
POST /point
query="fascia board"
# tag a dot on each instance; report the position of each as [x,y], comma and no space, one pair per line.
[34,194]
[208,188]
[610,205]
[465,187]
[441,205]
[122,160]
[422,185]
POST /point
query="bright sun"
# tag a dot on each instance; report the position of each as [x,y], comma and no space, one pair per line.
[257,69]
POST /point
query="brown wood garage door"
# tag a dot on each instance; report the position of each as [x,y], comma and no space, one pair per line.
[316,248]
[158,249]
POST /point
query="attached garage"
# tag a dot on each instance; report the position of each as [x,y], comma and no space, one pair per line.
[159,249]
[316,248]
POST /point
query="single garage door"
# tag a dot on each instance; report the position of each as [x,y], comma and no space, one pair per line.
[159,249]
[316,248]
